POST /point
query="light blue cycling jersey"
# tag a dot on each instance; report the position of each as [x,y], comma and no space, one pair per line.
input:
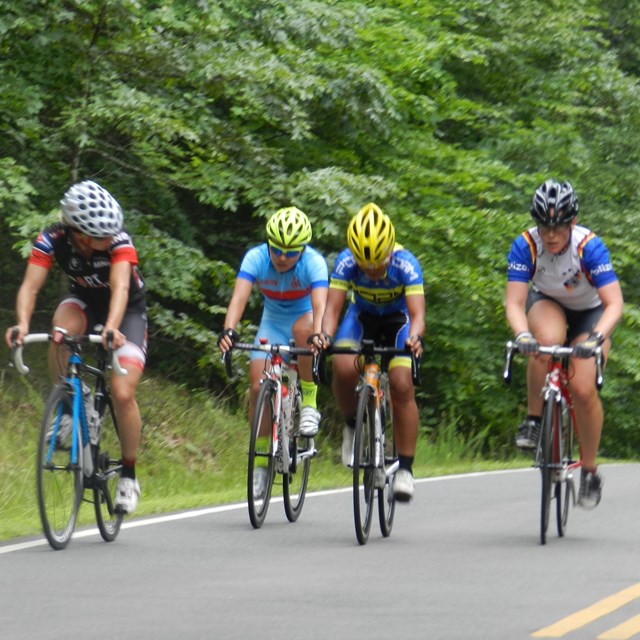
[572,277]
[286,295]
[379,297]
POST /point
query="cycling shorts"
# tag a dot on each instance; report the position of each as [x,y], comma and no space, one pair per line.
[277,329]
[133,326]
[391,330]
[578,322]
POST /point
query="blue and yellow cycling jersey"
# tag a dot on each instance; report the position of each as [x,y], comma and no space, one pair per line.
[571,277]
[379,297]
[285,294]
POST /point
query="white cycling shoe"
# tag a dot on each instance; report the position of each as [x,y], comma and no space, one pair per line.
[309,422]
[403,485]
[127,496]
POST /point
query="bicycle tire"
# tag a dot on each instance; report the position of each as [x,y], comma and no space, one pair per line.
[363,461]
[59,483]
[296,479]
[258,506]
[108,467]
[386,503]
[566,492]
[546,435]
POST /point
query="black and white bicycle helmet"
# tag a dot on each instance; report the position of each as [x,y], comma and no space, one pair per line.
[92,210]
[554,203]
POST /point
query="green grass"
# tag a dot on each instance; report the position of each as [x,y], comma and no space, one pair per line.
[193,452]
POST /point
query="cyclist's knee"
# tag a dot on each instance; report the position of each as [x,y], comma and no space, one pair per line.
[302,329]
[401,384]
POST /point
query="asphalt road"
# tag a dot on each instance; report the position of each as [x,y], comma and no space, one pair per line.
[463,561]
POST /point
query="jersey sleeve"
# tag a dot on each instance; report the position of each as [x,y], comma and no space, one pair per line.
[343,271]
[596,262]
[42,251]
[411,272]
[521,259]
[316,268]
[251,265]
[122,249]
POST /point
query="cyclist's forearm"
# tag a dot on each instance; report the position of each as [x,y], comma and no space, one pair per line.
[318,306]
[238,302]
[117,308]
[613,303]
[335,301]
[25,306]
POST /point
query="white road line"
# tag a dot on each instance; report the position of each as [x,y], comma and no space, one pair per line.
[196,513]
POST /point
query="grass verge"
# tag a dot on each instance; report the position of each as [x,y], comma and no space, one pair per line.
[193,453]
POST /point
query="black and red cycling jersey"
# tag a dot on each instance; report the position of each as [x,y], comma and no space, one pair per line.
[89,277]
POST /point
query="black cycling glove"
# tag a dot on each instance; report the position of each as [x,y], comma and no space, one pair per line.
[229,333]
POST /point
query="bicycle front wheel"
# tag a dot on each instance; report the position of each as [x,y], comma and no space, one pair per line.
[294,482]
[108,467]
[386,503]
[565,490]
[547,429]
[59,481]
[261,468]
[363,464]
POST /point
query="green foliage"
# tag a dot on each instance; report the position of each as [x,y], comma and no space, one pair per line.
[202,118]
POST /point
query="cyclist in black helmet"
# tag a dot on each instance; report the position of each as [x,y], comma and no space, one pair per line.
[561,287]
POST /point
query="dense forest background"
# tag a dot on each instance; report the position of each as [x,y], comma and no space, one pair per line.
[203,117]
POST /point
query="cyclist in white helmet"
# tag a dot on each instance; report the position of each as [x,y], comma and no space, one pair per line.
[106,288]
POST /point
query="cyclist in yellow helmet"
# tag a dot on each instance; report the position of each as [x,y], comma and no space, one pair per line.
[387,305]
[293,279]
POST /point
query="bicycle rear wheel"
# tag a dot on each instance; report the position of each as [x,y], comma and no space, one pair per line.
[294,482]
[261,461]
[108,467]
[546,434]
[386,503]
[363,464]
[59,481]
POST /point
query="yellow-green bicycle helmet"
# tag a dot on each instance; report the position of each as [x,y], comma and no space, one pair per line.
[289,227]
[371,236]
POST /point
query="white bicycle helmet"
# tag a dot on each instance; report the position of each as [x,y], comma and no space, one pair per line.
[92,210]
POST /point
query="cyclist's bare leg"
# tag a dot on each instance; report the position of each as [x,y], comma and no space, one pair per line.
[345,381]
[302,329]
[548,324]
[587,405]
[123,392]
[405,410]
[71,317]
[256,368]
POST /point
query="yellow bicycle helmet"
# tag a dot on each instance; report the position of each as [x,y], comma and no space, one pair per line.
[371,236]
[289,227]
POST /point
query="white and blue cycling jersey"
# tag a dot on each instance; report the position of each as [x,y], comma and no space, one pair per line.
[571,277]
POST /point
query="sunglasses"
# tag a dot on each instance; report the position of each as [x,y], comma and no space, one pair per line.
[288,253]
[554,228]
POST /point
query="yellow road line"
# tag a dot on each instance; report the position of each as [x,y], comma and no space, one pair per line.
[584,617]
[623,631]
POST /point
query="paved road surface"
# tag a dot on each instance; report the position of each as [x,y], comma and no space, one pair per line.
[463,561]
